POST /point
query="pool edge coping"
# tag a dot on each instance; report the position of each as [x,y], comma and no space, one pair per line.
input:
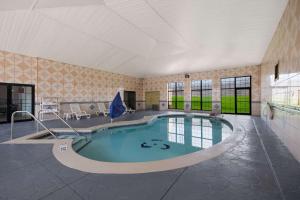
[64,153]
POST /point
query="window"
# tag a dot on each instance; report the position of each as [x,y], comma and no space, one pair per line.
[175,95]
[201,95]
[236,95]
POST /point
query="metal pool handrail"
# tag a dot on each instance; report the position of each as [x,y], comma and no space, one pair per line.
[61,119]
[31,115]
[286,108]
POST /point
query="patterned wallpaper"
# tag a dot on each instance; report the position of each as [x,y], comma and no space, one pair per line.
[80,84]
[151,98]
[68,82]
[285,48]
[160,83]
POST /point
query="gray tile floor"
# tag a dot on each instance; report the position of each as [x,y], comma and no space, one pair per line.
[260,167]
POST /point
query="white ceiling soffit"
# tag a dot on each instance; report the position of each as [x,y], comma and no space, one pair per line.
[65,3]
[141,37]
[32,4]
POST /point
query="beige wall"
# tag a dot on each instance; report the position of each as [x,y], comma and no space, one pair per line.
[160,84]
[152,98]
[81,84]
[68,82]
[285,48]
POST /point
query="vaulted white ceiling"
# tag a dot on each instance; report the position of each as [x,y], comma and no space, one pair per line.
[141,37]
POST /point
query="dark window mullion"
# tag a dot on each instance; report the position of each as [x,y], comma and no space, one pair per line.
[9,101]
[176,102]
[235,103]
[201,95]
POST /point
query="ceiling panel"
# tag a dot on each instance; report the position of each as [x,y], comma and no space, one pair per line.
[18,29]
[224,24]
[141,37]
[16,4]
[32,4]
[115,59]
[141,15]
[66,3]
[102,23]
[32,34]
[137,64]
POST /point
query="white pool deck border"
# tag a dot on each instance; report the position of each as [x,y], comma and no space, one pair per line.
[64,153]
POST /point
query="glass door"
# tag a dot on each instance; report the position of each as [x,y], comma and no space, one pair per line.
[236,95]
[16,97]
[130,99]
[3,103]
[228,95]
[21,99]
[243,101]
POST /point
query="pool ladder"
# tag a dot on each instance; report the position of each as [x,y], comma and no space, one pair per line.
[39,122]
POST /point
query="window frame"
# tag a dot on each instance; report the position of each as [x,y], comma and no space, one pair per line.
[235,88]
[176,90]
[201,94]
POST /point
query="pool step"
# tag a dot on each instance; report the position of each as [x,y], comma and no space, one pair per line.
[67,136]
[80,142]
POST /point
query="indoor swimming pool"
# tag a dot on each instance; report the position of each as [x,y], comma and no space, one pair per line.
[163,138]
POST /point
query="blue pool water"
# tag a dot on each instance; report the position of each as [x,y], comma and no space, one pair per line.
[164,138]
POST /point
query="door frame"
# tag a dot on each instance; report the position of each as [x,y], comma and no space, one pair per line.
[130,92]
[235,95]
[236,101]
[9,101]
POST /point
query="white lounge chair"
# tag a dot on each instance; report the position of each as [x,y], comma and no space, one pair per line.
[103,109]
[77,112]
[128,109]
